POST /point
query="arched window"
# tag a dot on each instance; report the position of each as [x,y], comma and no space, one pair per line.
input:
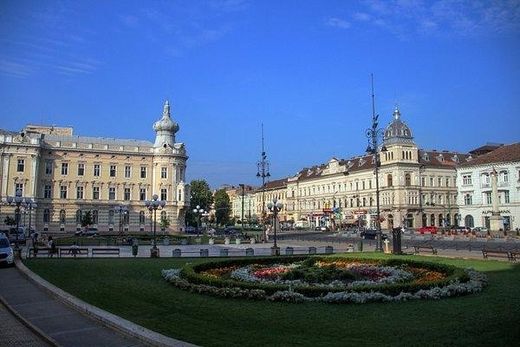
[46,215]
[141,217]
[95,217]
[407,180]
[62,216]
[432,219]
[448,219]
[78,216]
[390,221]
[441,222]
[364,202]
[389,180]
[409,220]
[126,217]
[424,222]
[468,221]
[110,216]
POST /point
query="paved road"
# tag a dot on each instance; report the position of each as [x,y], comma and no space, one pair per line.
[14,334]
[65,325]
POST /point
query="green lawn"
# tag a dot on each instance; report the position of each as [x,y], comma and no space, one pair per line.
[135,290]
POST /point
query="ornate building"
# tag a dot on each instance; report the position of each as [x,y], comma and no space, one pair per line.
[68,175]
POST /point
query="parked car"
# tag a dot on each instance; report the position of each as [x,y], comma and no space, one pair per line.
[428,230]
[6,251]
[322,228]
[13,237]
[87,232]
[371,234]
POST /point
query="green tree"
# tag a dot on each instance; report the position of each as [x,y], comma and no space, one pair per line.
[200,196]
[165,222]
[86,219]
[222,207]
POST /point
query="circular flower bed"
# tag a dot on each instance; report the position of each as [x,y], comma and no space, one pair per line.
[327,279]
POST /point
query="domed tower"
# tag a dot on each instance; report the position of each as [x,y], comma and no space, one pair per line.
[165,128]
[169,171]
[398,140]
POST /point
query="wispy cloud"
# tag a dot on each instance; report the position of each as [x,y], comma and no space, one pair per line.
[14,69]
[337,23]
[452,17]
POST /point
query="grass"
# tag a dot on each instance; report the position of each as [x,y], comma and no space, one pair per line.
[134,289]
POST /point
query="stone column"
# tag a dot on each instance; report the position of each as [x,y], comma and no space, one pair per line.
[495,221]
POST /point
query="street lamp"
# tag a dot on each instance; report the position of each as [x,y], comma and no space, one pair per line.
[17,201]
[153,205]
[275,207]
[263,172]
[30,204]
[122,209]
[374,134]
[198,212]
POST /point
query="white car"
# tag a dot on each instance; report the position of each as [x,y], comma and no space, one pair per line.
[6,252]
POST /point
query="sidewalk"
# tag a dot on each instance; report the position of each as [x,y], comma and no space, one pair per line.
[64,325]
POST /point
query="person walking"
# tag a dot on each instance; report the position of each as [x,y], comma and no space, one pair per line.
[52,247]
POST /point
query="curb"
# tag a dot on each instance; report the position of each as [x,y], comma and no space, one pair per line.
[106,318]
[28,324]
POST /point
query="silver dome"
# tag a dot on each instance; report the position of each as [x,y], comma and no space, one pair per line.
[397,132]
[166,123]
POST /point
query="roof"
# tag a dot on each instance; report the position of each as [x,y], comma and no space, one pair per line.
[443,159]
[503,154]
[276,184]
[97,140]
[8,132]
[488,147]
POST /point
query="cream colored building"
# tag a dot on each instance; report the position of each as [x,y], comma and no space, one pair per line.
[417,187]
[68,175]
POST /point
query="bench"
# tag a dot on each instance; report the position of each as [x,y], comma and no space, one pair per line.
[418,249]
[498,254]
[514,255]
[72,251]
[42,251]
[105,251]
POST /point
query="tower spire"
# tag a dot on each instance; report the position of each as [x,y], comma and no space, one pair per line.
[397,114]
[166,109]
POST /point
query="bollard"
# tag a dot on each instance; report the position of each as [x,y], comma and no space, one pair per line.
[176,253]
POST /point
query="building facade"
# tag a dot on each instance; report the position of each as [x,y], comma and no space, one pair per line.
[68,175]
[475,191]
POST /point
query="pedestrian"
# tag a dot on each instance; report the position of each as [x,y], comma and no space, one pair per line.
[52,247]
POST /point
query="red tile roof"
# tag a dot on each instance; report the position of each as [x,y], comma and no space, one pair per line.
[504,154]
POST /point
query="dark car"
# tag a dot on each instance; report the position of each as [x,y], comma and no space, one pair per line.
[371,234]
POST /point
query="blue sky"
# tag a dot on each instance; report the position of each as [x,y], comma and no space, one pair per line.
[300,67]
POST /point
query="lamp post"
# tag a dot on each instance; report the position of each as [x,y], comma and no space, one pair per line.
[30,204]
[153,205]
[17,201]
[275,207]
[121,209]
[374,134]
[242,219]
[263,172]
[198,212]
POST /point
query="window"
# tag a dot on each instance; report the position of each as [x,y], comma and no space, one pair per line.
[63,192]
[97,169]
[46,215]
[142,194]
[447,181]
[48,167]
[143,171]
[407,180]
[127,171]
[47,191]
[63,217]
[79,193]
[18,187]
[164,194]
[389,180]
[431,181]
[95,193]
[110,216]
[111,193]
[95,217]
[112,171]
[506,197]
[79,215]
[466,179]
[64,168]
[164,172]
[127,194]
[439,182]
[81,169]
[505,176]
[467,199]
[488,198]
[141,217]
[21,165]
[423,181]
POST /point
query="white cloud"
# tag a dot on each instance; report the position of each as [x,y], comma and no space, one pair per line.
[338,23]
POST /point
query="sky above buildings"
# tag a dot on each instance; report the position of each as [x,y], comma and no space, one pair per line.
[302,68]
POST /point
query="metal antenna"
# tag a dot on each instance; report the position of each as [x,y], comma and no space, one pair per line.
[263,151]
[373,98]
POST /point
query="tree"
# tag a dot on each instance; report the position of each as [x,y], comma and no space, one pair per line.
[9,221]
[86,219]
[165,222]
[222,207]
[200,196]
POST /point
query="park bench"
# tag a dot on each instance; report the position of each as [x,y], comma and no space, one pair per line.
[72,251]
[42,251]
[498,254]
[105,251]
[420,248]
[514,254]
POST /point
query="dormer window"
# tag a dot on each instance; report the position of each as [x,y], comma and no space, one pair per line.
[440,157]
[426,157]
[455,158]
